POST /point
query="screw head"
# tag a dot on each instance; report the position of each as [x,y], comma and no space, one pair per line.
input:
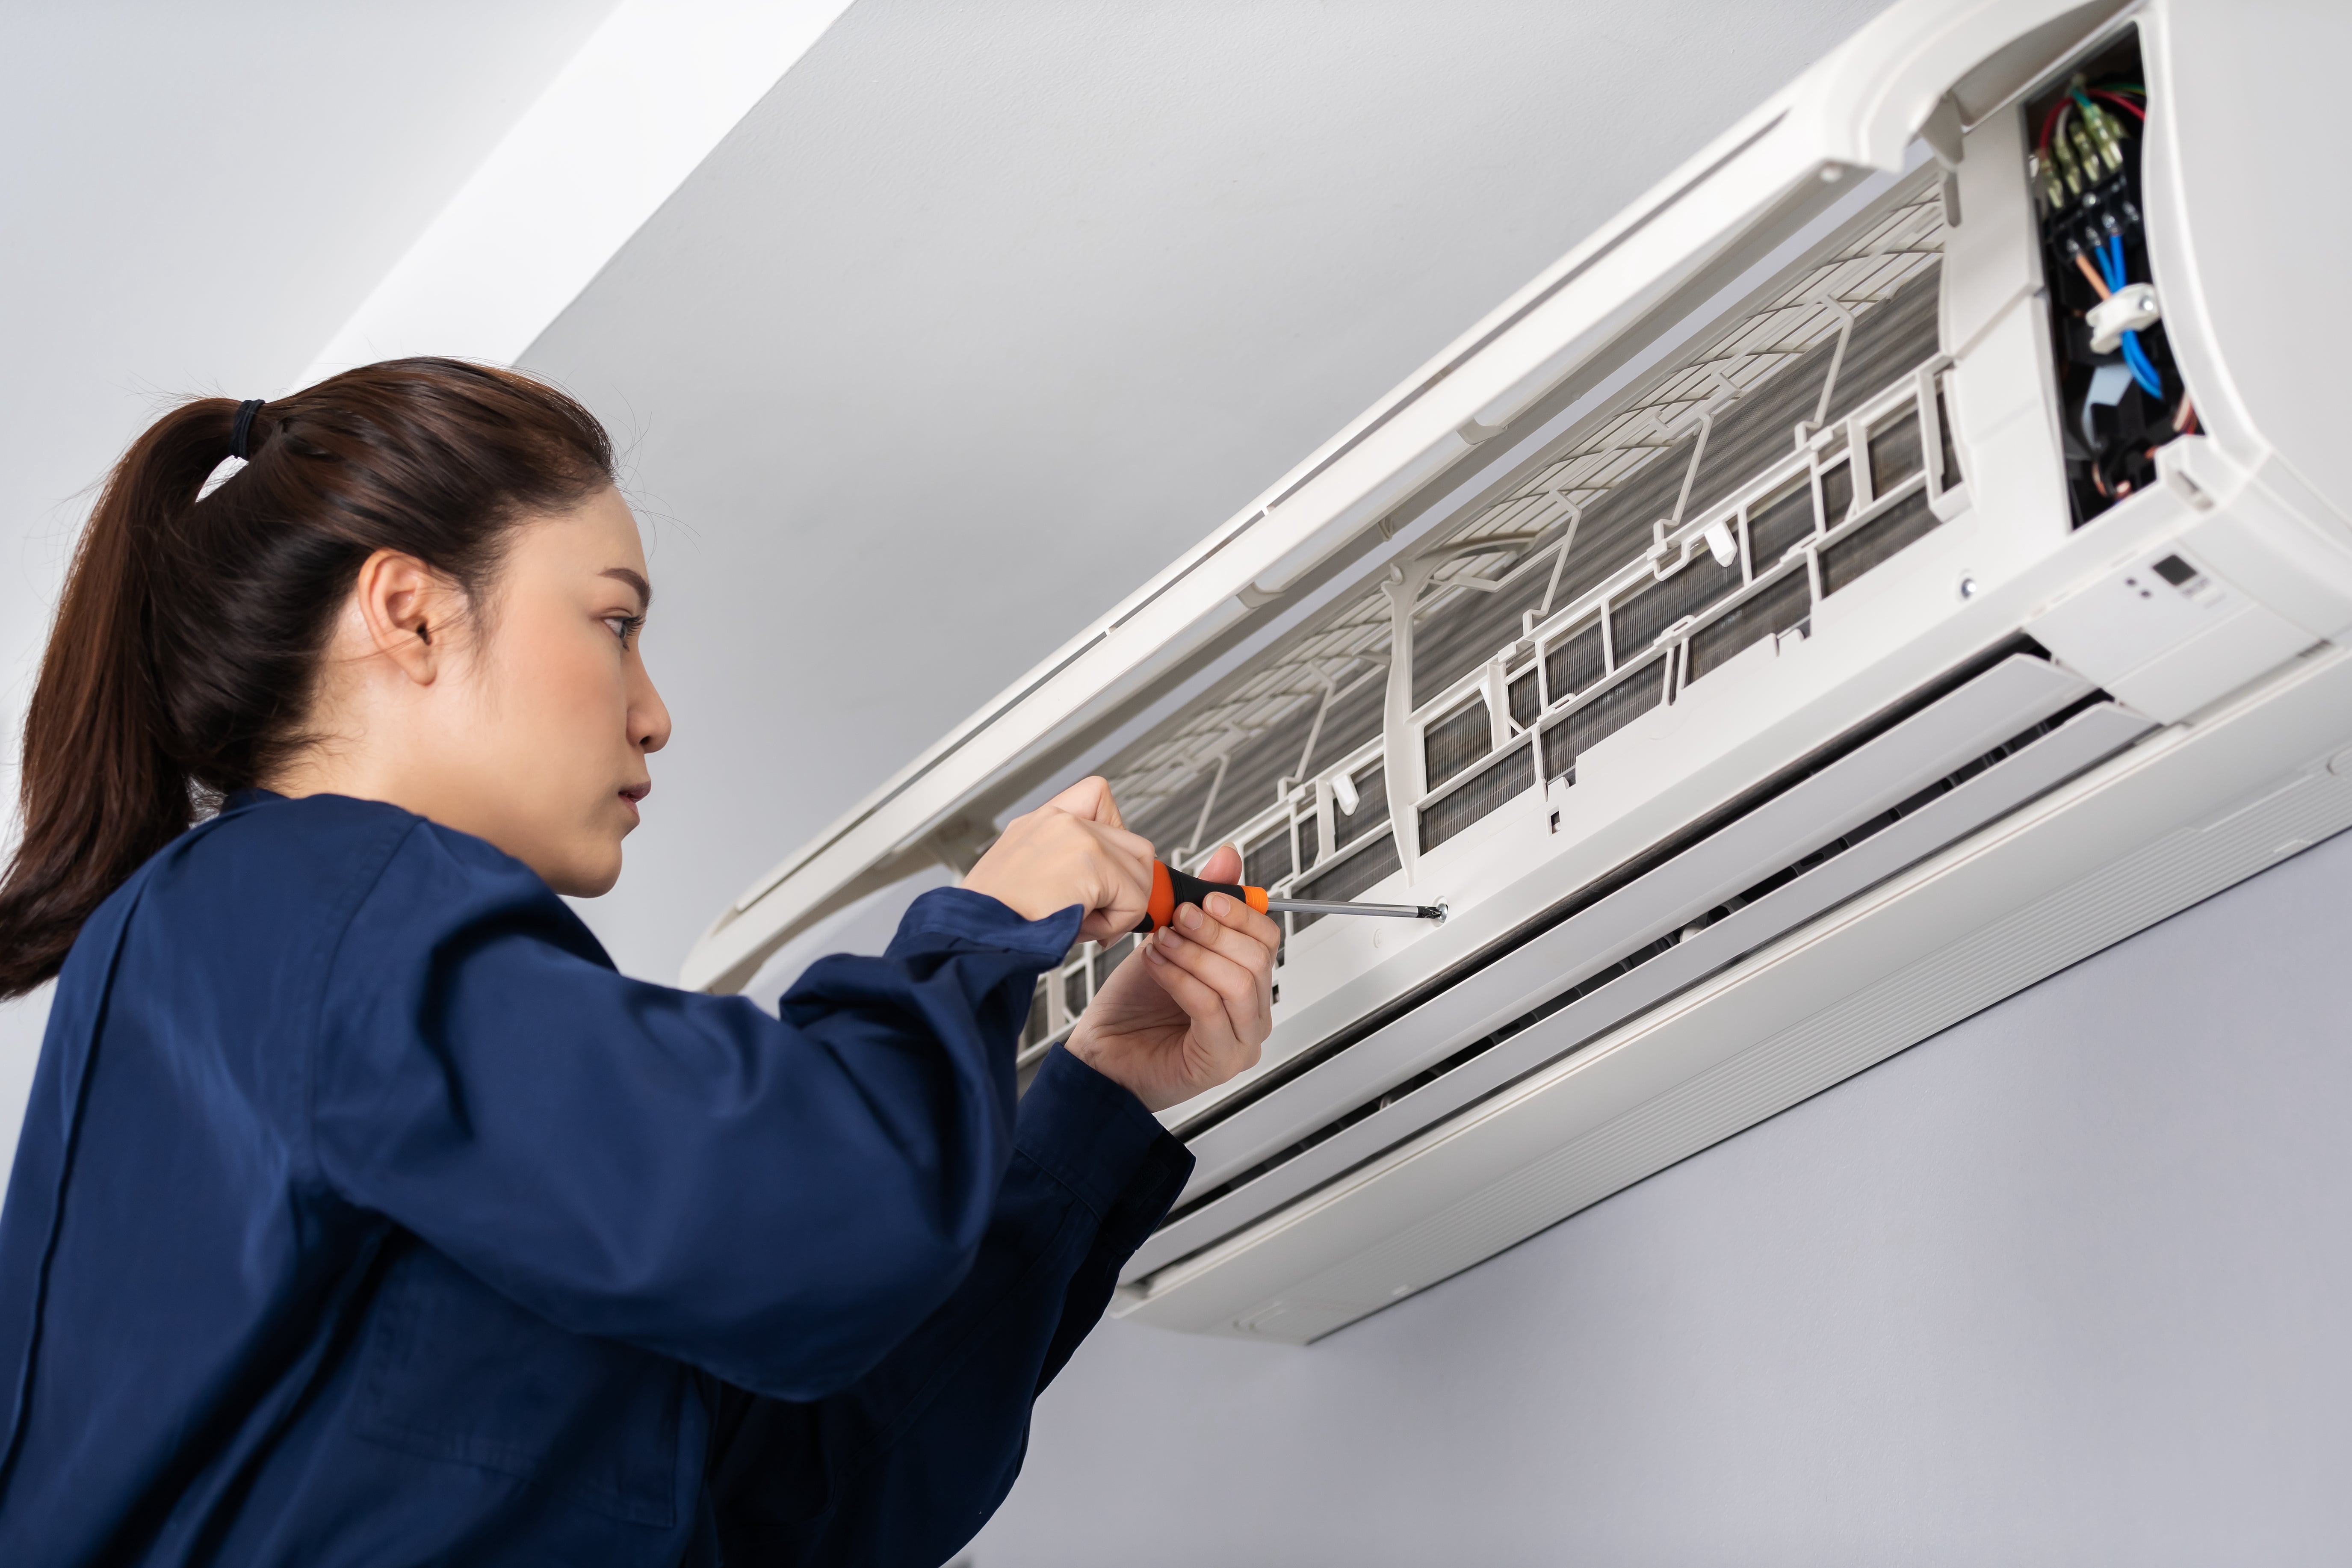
[1968,587]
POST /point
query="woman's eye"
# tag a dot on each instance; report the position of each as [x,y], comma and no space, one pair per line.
[625,627]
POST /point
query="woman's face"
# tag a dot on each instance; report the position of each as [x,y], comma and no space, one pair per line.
[557,714]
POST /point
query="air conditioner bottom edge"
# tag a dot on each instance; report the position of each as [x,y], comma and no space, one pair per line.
[2188,812]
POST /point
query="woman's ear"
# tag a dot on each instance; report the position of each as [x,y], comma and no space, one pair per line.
[400,601]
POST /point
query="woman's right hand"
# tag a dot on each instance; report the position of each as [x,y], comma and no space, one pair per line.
[1071,850]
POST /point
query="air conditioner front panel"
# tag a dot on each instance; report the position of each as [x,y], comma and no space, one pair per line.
[1795,822]
[1600,308]
[2086,738]
[1552,995]
[1768,598]
[2168,822]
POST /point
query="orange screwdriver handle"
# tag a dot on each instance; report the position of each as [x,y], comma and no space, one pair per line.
[1172,888]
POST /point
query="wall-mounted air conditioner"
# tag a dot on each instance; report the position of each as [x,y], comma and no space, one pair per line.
[1904,552]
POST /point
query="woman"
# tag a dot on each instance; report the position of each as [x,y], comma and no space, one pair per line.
[363,1213]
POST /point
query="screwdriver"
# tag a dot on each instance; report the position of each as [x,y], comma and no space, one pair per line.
[1171,887]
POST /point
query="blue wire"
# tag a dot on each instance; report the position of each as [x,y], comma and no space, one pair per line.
[2142,370]
[2111,264]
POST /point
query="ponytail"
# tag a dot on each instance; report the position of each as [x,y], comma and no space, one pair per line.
[186,644]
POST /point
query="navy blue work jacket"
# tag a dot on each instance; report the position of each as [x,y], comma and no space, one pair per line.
[364,1214]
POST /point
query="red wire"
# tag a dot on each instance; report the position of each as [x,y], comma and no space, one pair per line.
[2120,101]
[2050,121]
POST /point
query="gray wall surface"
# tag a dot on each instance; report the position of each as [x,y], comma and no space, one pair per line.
[2064,1284]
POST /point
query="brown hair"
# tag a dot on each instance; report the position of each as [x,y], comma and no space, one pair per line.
[182,657]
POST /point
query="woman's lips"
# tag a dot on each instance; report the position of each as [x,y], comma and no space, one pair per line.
[631,793]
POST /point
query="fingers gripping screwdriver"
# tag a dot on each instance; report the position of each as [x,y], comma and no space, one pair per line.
[1171,887]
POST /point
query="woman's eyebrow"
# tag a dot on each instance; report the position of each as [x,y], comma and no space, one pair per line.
[644,589]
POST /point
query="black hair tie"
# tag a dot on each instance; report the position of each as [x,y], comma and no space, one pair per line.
[244,426]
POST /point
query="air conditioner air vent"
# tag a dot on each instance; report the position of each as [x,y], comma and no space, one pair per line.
[1884,802]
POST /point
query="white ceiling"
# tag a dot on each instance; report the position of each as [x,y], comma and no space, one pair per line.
[990,308]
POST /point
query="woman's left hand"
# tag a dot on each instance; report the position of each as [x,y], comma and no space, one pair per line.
[1191,1007]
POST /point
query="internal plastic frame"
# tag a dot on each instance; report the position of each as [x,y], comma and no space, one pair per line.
[1536,722]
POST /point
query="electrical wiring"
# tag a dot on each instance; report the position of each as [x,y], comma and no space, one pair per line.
[2050,123]
[2083,261]
[2086,186]
[2110,263]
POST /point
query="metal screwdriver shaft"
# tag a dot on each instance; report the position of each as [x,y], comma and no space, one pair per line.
[1171,887]
[1325,907]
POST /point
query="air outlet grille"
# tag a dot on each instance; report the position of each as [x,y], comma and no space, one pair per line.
[2060,729]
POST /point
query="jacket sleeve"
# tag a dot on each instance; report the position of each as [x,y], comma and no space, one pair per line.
[905,1464]
[776,1202]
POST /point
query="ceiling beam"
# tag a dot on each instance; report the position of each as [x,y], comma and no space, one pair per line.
[646,99]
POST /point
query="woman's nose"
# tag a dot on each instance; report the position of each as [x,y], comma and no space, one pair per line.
[648,717]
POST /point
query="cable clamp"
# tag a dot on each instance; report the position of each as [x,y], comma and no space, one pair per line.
[2130,309]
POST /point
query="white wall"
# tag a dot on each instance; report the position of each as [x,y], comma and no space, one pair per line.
[986,312]
[2064,1284]
[194,198]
